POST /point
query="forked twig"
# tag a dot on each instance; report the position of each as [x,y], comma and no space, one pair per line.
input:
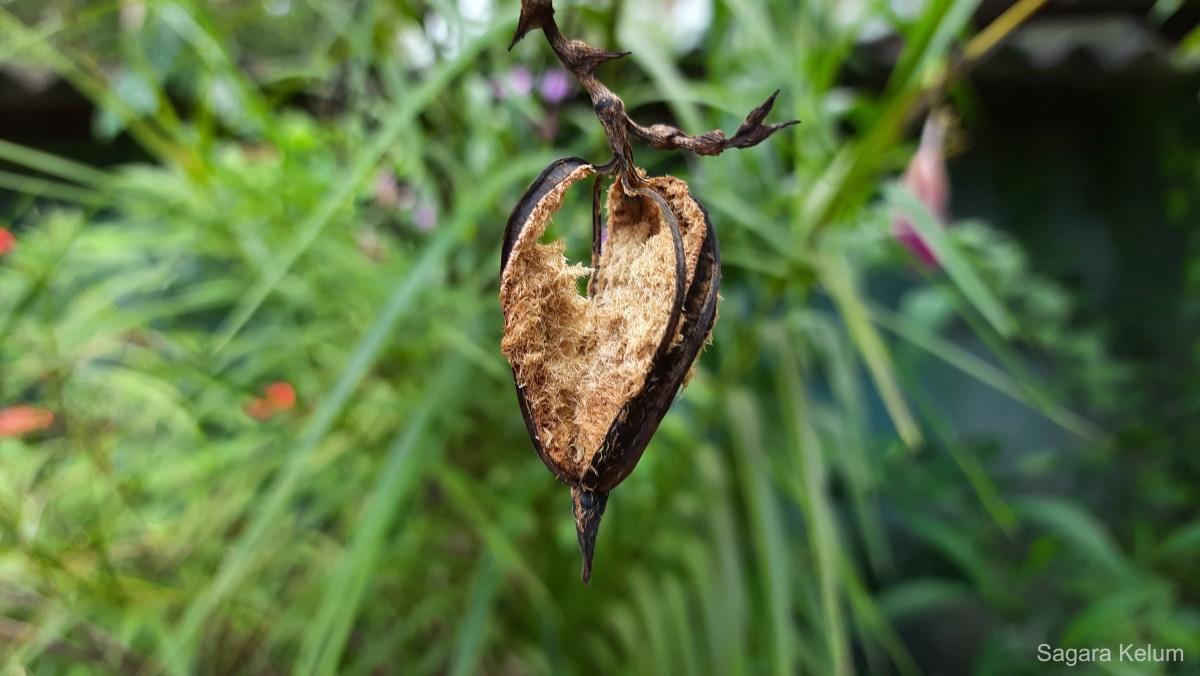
[582,61]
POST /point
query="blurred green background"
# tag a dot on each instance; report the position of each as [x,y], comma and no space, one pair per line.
[254,418]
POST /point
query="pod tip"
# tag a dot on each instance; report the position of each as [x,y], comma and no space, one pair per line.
[588,507]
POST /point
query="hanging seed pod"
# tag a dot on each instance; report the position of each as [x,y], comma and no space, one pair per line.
[595,375]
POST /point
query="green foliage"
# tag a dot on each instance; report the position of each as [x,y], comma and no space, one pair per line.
[324,207]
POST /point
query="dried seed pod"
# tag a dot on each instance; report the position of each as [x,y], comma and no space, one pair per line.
[596,375]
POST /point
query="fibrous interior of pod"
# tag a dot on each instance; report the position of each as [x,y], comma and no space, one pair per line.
[578,359]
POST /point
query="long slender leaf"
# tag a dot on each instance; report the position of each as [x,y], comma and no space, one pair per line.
[838,279]
[771,558]
[411,451]
[53,165]
[960,272]
[814,499]
[986,373]
[241,558]
[475,623]
[341,195]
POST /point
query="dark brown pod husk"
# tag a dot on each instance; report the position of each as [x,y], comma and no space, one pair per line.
[596,375]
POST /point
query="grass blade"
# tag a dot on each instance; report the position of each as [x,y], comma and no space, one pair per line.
[356,176]
[473,629]
[838,278]
[53,165]
[41,187]
[767,524]
[814,499]
[986,373]
[413,449]
[241,557]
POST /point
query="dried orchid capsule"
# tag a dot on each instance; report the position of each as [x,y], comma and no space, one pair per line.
[596,375]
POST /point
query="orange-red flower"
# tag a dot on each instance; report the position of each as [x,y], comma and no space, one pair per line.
[8,241]
[259,409]
[281,395]
[17,421]
[277,398]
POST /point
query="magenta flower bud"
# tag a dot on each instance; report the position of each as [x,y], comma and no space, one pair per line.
[925,177]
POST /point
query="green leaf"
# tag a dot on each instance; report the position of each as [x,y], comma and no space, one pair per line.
[923,596]
[952,261]
[1183,542]
[1088,536]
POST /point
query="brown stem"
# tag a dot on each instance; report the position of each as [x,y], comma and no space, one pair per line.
[582,61]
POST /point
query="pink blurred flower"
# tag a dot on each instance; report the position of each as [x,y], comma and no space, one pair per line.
[516,82]
[520,80]
[925,177]
[386,189]
[555,86]
[425,216]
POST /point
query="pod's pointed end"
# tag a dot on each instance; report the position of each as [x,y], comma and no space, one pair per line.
[588,507]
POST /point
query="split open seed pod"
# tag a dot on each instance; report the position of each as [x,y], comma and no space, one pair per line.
[595,375]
